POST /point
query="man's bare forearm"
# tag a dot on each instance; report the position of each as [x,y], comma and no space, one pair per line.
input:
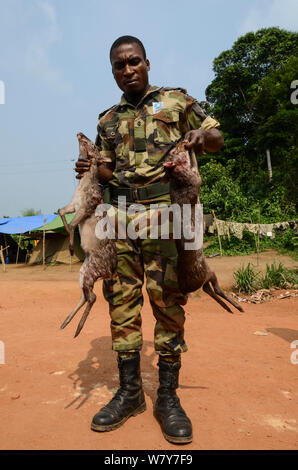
[204,139]
[213,140]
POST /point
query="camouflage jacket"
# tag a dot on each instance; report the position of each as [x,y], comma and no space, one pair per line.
[138,138]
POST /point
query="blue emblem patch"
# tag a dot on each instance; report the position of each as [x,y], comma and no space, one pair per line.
[157,107]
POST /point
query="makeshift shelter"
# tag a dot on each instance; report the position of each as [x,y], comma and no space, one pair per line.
[47,235]
[11,250]
[56,250]
[16,225]
[56,244]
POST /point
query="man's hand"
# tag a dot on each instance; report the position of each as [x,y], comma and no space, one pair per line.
[105,169]
[81,167]
[201,139]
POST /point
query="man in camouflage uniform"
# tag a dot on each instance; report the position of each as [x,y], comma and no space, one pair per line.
[136,136]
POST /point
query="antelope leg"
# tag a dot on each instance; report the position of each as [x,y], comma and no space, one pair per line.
[68,319]
[66,226]
[78,218]
[220,292]
[208,289]
[83,299]
[69,209]
[193,160]
[91,299]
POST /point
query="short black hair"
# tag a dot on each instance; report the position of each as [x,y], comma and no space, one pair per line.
[127,40]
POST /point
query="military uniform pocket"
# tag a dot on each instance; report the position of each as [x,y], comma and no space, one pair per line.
[117,134]
[166,127]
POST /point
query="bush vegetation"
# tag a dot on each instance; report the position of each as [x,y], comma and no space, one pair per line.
[285,243]
[248,280]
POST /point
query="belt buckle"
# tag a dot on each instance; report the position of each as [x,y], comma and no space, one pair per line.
[134,194]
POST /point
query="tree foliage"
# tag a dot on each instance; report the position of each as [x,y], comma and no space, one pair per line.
[250,96]
[221,191]
[30,212]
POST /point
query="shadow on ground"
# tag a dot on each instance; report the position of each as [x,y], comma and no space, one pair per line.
[99,369]
[285,333]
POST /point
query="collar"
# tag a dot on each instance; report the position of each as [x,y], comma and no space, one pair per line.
[151,89]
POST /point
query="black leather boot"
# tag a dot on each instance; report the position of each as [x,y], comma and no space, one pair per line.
[129,399]
[175,425]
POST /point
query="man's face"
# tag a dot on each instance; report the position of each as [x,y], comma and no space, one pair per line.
[130,69]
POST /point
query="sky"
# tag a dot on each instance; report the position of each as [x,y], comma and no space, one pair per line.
[55,75]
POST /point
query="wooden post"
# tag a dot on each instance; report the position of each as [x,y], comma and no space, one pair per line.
[218,235]
[18,249]
[258,249]
[2,258]
[269,164]
[6,247]
[44,244]
[256,243]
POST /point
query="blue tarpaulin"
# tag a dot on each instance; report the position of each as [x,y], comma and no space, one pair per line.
[4,221]
[24,224]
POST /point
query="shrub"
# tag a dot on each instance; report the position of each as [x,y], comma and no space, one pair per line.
[247,279]
[279,276]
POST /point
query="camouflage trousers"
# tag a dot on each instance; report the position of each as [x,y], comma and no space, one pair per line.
[155,260]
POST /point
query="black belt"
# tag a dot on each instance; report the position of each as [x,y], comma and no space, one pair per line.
[141,193]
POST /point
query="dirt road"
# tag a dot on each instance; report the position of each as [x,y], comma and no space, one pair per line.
[240,389]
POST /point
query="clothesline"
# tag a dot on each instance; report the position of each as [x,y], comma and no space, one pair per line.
[228,228]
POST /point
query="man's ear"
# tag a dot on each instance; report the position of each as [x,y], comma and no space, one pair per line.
[148,64]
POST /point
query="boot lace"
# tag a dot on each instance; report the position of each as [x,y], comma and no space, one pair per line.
[116,398]
[173,401]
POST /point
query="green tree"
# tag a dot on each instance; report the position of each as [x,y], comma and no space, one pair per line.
[278,125]
[221,192]
[250,96]
[30,212]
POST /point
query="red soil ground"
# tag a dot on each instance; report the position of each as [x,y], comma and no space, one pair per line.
[239,389]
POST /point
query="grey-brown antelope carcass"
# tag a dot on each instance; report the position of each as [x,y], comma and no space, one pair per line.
[193,271]
[101,258]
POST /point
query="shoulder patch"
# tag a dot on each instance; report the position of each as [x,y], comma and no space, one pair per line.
[113,108]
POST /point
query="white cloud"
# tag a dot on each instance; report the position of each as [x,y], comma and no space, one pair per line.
[281,13]
[37,56]
[49,10]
